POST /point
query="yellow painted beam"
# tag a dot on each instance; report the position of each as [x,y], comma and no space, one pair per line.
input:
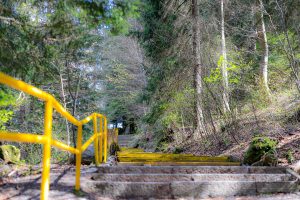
[124,159]
[87,119]
[46,139]
[59,108]
[99,115]
[105,140]
[78,158]
[64,147]
[47,150]
[96,141]
[131,150]
[31,90]
[180,163]
[101,139]
[22,86]
[161,155]
[87,143]
[22,137]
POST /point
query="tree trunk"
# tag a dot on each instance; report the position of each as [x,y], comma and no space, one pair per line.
[63,95]
[226,106]
[200,126]
[290,54]
[262,39]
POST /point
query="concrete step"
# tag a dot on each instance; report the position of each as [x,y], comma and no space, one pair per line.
[124,140]
[192,177]
[186,189]
[173,182]
[190,170]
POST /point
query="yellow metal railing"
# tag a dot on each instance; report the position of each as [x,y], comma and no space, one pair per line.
[99,137]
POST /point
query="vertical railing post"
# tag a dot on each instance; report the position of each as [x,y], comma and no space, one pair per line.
[47,150]
[116,135]
[105,139]
[101,140]
[78,157]
[96,142]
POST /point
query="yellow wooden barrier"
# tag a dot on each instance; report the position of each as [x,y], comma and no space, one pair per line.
[99,136]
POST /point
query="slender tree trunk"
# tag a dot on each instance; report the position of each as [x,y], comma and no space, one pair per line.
[200,126]
[226,106]
[63,95]
[74,108]
[294,65]
[74,97]
[262,39]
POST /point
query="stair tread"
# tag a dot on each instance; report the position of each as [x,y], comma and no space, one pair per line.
[192,177]
[191,169]
[175,182]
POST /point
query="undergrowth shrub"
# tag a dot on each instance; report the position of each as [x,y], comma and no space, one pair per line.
[259,147]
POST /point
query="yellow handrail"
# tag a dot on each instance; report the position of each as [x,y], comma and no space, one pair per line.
[99,137]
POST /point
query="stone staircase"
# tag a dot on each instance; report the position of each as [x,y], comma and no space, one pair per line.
[124,140]
[144,175]
[173,182]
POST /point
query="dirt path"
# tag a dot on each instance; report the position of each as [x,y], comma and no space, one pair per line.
[61,188]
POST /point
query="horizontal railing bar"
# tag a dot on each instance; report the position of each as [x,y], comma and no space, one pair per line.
[22,86]
[59,108]
[87,119]
[64,146]
[46,140]
[88,142]
[30,138]
[99,115]
[31,90]
[22,137]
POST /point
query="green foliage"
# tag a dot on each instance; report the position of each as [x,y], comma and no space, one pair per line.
[6,100]
[10,154]
[216,76]
[259,146]
[289,156]
[40,40]
[178,150]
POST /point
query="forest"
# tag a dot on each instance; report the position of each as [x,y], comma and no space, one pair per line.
[184,76]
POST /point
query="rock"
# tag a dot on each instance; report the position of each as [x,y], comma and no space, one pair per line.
[10,153]
[268,159]
[88,156]
[4,170]
[234,158]
[296,167]
[112,161]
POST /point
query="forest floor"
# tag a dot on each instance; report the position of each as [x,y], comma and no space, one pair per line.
[280,120]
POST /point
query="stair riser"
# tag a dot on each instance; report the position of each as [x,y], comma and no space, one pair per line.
[191,177]
[190,170]
[186,189]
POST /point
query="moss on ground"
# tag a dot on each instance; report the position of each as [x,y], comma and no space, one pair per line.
[10,154]
[260,147]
